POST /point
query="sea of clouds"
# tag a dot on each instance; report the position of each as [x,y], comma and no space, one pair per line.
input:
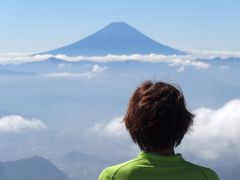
[192,59]
[214,133]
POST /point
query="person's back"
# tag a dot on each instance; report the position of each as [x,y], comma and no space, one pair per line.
[149,166]
[157,120]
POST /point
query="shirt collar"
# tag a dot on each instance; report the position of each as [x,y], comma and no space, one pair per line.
[156,157]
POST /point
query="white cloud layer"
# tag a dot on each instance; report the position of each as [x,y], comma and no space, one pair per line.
[17,124]
[208,54]
[95,69]
[172,60]
[16,58]
[192,59]
[215,132]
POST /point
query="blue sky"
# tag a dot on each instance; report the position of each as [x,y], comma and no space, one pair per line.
[33,26]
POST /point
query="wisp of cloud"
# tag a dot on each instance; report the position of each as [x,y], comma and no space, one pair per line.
[17,124]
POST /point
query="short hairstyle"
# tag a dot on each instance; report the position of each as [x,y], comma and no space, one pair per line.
[157,117]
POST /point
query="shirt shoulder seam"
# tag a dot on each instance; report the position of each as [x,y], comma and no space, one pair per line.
[112,178]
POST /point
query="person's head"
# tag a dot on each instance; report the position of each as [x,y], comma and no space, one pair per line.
[157,117]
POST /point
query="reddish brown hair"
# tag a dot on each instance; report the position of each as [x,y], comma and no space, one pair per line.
[157,117]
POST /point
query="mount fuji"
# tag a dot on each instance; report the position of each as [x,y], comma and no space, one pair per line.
[116,38]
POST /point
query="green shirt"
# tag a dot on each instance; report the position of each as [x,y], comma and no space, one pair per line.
[149,166]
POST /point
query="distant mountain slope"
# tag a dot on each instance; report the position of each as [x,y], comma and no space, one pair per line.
[116,38]
[79,165]
[35,168]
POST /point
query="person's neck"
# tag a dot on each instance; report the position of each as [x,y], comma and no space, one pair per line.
[164,152]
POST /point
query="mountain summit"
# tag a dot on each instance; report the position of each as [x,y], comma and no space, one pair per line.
[116,38]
